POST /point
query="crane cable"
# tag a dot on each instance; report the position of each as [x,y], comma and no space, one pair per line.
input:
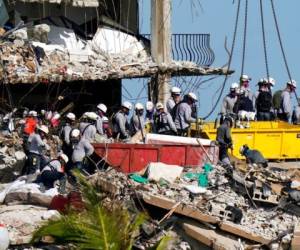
[229,61]
[281,47]
[264,38]
[245,37]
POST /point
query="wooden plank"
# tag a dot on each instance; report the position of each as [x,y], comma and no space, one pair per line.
[243,232]
[210,237]
[185,210]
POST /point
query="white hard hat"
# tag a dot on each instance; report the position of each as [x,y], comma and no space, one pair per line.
[64,157]
[149,106]
[234,85]
[44,129]
[245,78]
[102,107]
[292,83]
[139,106]
[75,133]
[56,116]
[71,116]
[33,113]
[127,105]
[92,116]
[85,114]
[43,111]
[176,90]
[105,119]
[193,96]
[271,81]
[159,105]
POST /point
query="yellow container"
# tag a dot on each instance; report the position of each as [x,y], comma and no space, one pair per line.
[276,139]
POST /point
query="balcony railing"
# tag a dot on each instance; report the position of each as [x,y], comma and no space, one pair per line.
[191,47]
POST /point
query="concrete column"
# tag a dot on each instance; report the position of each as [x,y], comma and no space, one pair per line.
[161,47]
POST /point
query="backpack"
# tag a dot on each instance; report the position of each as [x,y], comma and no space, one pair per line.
[174,111]
[277,99]
[264,101]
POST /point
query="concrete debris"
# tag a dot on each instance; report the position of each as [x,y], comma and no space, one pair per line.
[22,220]
[56,54]
[222,204]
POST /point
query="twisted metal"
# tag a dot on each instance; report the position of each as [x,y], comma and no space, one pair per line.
[191,47]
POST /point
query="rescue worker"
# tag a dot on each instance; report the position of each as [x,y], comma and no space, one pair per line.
[106,127]
[36,145]
[174,99]
[183,114]
[244,106]
[88,126]
[271,83]
[30,123]
[229,100]
[150,112]
[137,122]
[264,102]
[65,135]
[101,111]
[224,140]
[121,126]
[163,121]
[285,111]
[82,148]
[53,171]
[253,156]
[245,85]
[296,113]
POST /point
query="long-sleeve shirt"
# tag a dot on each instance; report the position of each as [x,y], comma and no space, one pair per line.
[36,145]
[88,131]
[228,104]
[65,133]
[183,117]
[137,123]
[286,104]
[81,149]
[121,124]
[170,105]
[164,123]
[99,125]
[224,135]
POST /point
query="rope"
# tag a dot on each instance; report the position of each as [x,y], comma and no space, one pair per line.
[264,38]
[245,37]
[230,59]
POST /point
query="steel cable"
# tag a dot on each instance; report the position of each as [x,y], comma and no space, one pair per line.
[229,61]
[264,38]
[245,37]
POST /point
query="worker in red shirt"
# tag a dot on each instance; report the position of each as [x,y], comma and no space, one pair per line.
[30,123]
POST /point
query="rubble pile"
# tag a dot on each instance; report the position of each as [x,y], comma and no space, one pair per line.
[12,158]
[47,53]
[223,204]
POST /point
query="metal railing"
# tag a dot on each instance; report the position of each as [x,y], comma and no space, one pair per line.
[191,47]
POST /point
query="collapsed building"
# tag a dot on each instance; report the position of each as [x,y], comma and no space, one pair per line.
[78,52]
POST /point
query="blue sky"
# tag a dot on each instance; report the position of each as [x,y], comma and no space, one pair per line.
[217,18]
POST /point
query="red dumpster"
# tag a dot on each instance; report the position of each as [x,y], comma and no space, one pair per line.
[134,157]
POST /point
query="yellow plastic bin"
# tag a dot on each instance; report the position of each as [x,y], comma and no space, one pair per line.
[276,139]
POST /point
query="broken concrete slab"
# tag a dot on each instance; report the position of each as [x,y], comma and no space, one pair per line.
[210,237]
[182,209]
[22,220]
[243,232]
